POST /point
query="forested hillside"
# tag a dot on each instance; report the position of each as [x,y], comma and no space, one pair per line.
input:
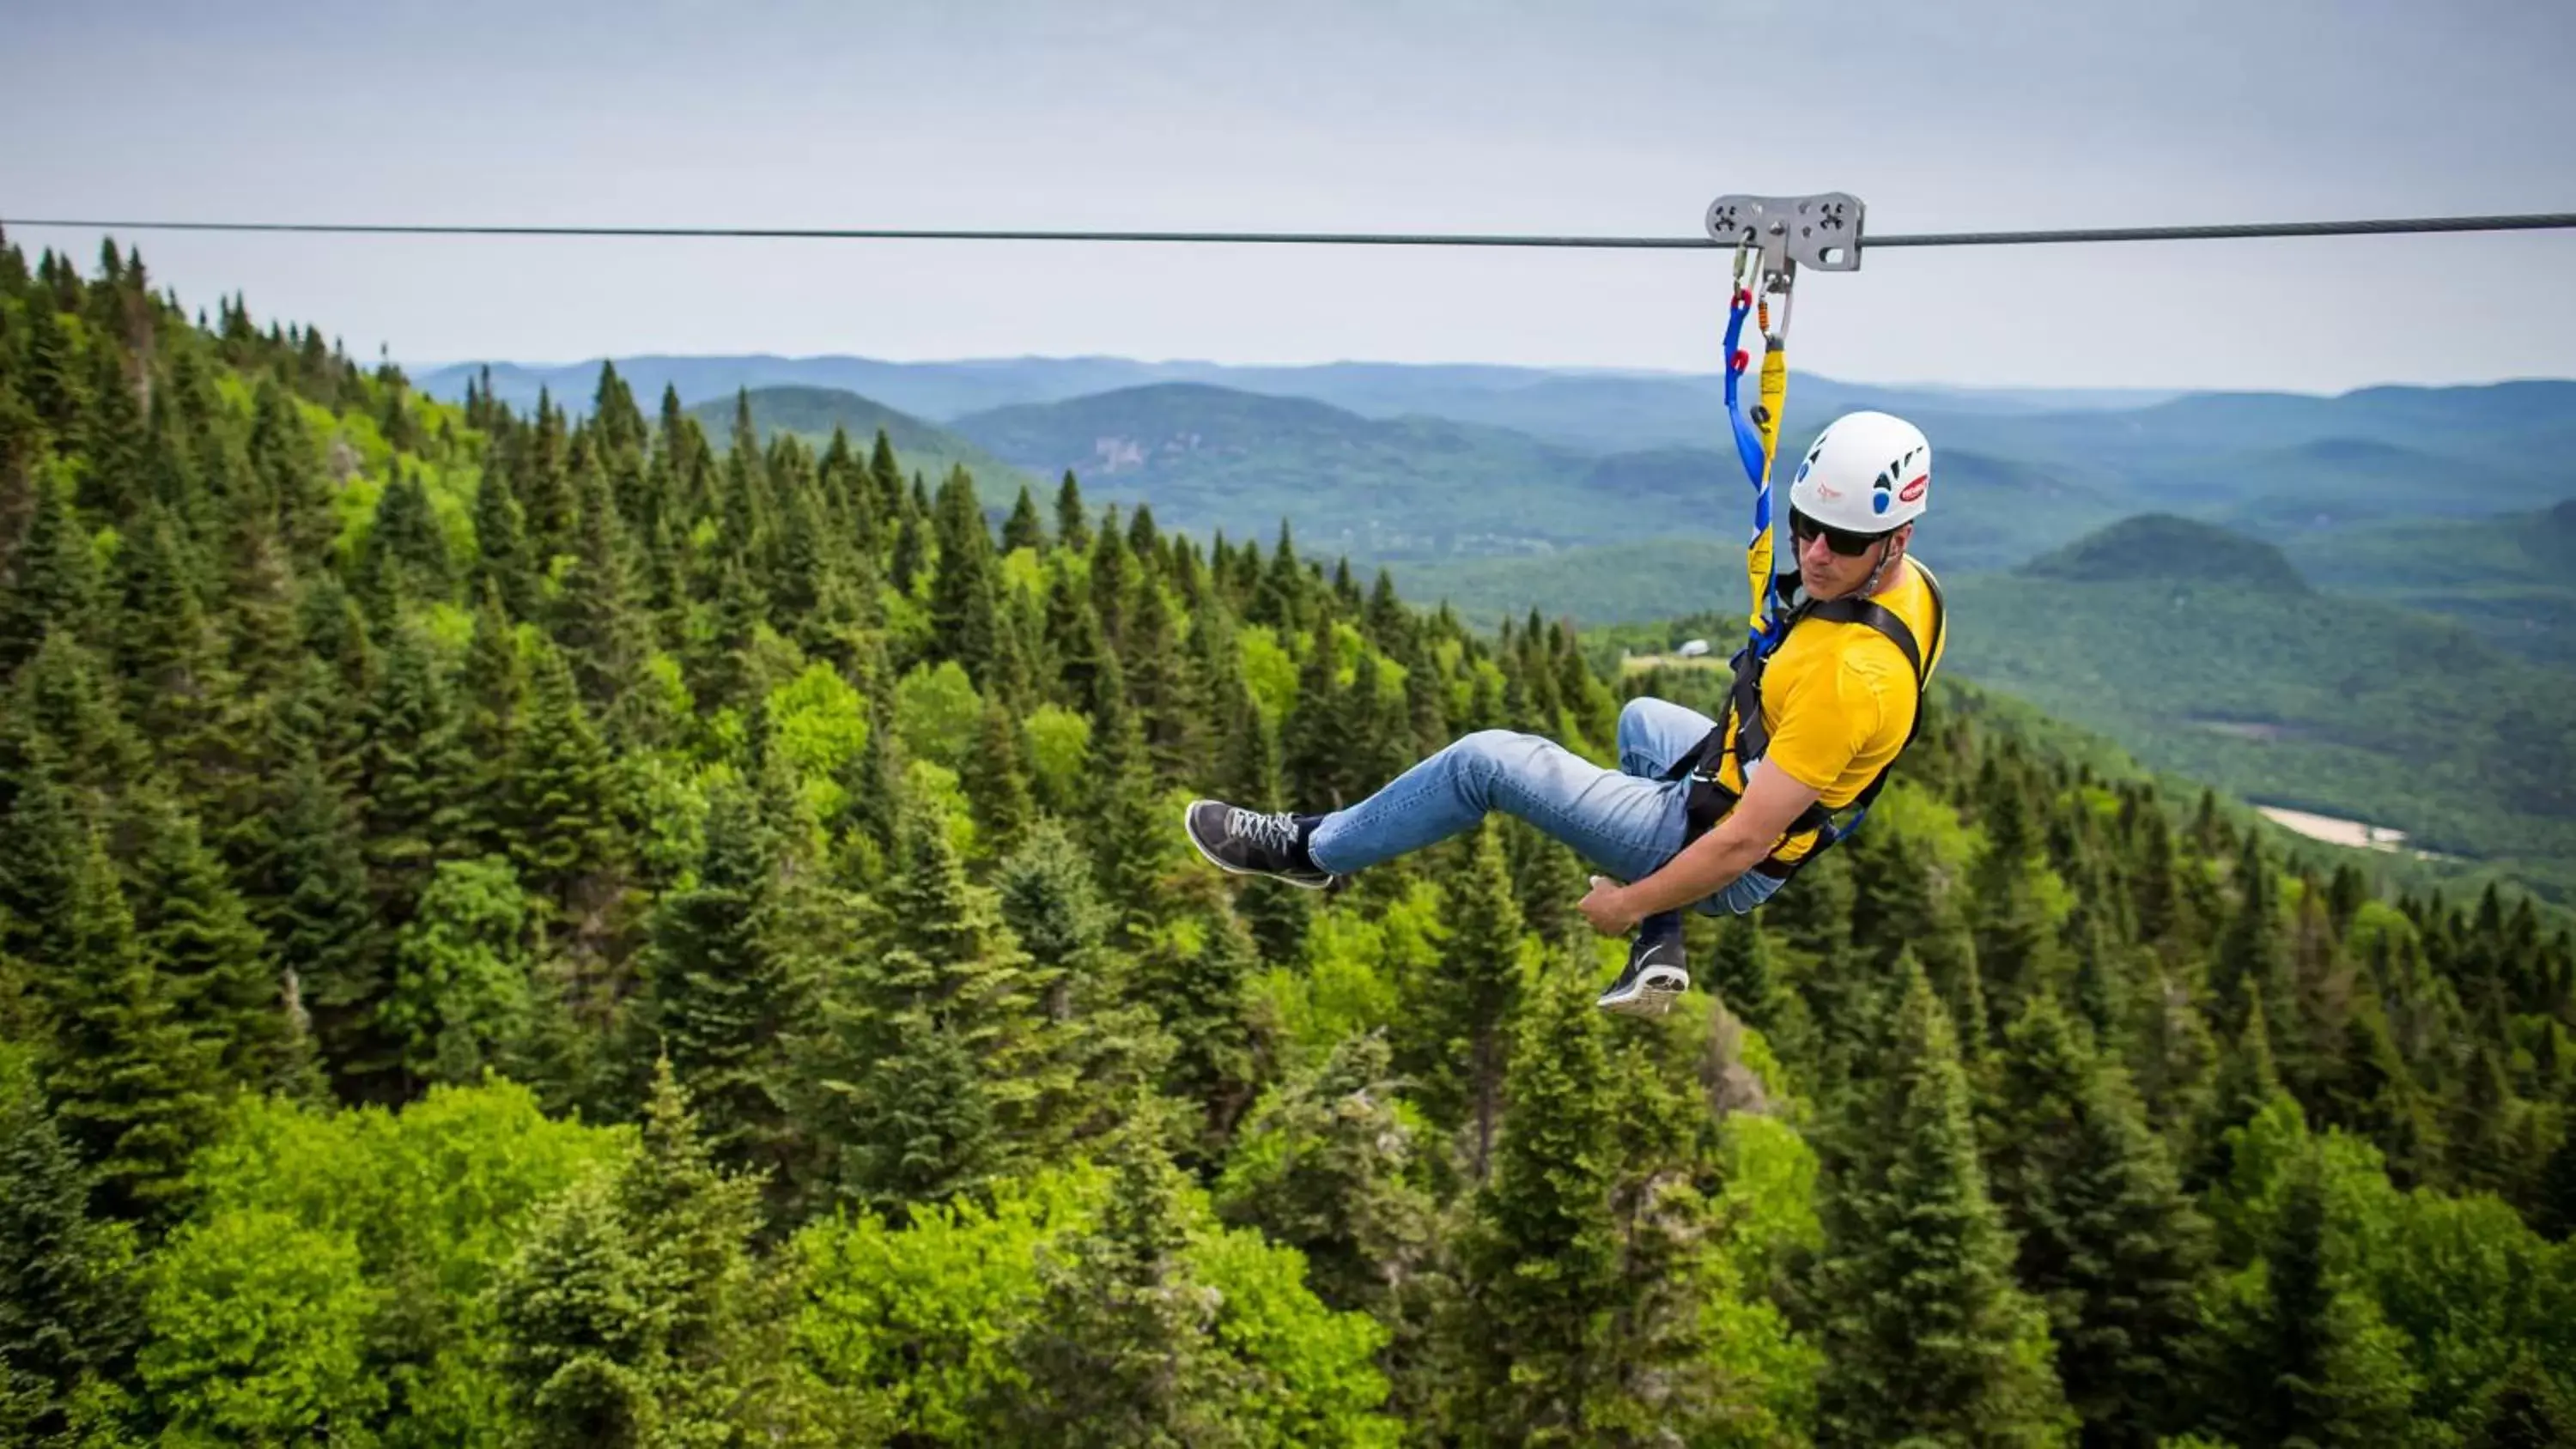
[524,933]
[2207,655]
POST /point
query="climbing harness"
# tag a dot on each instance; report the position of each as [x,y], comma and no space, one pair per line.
[1773,235]
[1710,799]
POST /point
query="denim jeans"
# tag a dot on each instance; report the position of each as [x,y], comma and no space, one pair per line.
[1627,822]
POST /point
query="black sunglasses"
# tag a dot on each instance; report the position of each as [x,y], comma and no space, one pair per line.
[1842,541]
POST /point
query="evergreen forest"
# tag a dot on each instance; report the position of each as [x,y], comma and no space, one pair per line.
[523,931]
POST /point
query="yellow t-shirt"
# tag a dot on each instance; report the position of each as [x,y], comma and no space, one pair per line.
[1839,701]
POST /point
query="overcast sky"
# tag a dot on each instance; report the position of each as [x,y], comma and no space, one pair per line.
[1604,116]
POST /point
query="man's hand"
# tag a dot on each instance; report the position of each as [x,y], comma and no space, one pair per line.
[1604,907]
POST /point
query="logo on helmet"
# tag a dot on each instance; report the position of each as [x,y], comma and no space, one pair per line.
[1921,485]
[1885,483]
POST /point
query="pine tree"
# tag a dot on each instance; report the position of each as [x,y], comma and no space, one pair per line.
[309,895]
[67,1305]
[417,779]
[1197,988]
[1160,685]
[2480,1120]
[1316,740]
[935,1061]
[2018,951]
[1460,1029]
[2246,1083]
[502,564]
[53,583]
[1535,1346]
[561,820]
[1328,1164]
[633,1313]
[112,438]
[887,477]
[1072,520]
[1122,1349]
[1248,765]
[195,930]
[964,595]
[167,647]
[1924,1332]
[2108,1243]
[1741,973]
[719,998]
[1113,582]
[136,1087]
[288,466]
[542,477]
[2253,954]
[604,635]
[492,686]
[2300,1354]
[1023,529]
[1135,842]
[404,555]
[1073,640]
[2555,1211]
[60,695]
[998,788]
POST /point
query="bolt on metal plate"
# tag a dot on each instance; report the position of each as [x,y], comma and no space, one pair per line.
[1820,231]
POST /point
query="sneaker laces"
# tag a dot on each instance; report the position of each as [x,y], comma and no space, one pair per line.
[1271,832]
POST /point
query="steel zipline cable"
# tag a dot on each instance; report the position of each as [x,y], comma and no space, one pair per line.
[2382,226]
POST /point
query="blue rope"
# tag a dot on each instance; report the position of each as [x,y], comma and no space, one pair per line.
[1748,451]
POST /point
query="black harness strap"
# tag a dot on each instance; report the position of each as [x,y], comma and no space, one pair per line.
[1709,800]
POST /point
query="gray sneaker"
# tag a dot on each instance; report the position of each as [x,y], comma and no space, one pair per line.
[1655,977]
[1248,842]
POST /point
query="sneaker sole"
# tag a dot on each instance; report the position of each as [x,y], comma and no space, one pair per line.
[1210,858]
[1643,1003]
[1649,998]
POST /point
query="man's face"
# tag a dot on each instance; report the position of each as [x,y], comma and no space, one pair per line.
[1830,575]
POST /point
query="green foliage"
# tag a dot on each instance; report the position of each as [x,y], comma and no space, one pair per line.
[1925,1332]
[315,1238]
[941,714]
[259,1334]
[2297,699]
[2107,1241]
[633,1313]
[1138,1339]
[68,1304]
[461,999]
[360,747]
[1332,1164]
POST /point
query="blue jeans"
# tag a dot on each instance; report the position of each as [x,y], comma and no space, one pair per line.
[1627,822]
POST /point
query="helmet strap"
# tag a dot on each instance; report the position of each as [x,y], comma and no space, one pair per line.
[1886,555]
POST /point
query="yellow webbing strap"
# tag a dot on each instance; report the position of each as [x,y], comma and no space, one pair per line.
[1775,393]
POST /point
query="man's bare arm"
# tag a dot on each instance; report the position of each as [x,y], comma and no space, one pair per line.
[1772,800]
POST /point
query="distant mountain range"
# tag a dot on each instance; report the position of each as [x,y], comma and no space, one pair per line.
[816,413]
[2386,491]
[1592,409]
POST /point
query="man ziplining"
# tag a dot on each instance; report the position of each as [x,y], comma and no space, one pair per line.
[1699,813]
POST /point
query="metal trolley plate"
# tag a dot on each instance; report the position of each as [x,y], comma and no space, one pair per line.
[1820,231]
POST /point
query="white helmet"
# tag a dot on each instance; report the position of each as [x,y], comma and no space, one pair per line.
[1867,473]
